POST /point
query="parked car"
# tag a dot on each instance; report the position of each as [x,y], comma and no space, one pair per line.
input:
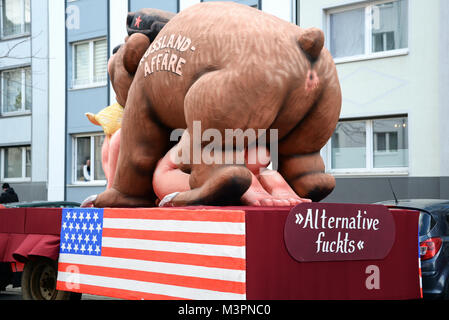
[433,242]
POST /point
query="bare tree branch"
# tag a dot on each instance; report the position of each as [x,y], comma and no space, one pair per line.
[10,49]
[8,53]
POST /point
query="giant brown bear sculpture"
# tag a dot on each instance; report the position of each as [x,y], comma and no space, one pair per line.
[227,66]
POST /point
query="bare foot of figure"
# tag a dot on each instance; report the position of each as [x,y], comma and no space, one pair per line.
[256,195]
[278,188]
[268,187]
[269,190]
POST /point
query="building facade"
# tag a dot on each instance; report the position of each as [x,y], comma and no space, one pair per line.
[24,100]
[392,62]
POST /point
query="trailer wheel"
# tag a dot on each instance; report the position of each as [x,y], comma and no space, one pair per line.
[39,281]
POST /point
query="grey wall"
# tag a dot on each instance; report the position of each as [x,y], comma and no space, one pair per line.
[31,191]
[369,190]
[444,187]
[79,194]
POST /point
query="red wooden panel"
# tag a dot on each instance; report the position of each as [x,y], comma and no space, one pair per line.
[12,220]
[273,274]
[43,221]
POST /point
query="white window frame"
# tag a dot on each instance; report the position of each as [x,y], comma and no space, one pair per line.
[92,160]
[24,178]
[369,147]
[92,83]
[23,92]
[23,33]
[368,55]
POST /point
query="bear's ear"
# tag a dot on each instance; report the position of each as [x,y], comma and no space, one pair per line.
[130,18]
[135,47]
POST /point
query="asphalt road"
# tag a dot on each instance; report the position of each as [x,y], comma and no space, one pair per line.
[16,294]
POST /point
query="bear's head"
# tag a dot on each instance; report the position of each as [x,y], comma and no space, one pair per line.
[143,27]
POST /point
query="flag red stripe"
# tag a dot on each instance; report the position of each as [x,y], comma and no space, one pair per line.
[114,293]
[177,214]
[176,257]
[177,236]
[161,278]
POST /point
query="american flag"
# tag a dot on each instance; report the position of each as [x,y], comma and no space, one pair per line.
[155,253]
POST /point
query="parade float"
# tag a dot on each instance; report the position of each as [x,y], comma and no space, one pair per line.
[212,155]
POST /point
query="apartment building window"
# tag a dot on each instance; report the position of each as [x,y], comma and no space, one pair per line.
[15,163]
[16,18]
[368,29]
[16,91]
[371,145]
[90,61]
[87,159]
[251,3]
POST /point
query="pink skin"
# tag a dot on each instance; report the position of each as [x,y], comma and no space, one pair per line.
[168,178]
[278,190]
[109,156]
[268,188]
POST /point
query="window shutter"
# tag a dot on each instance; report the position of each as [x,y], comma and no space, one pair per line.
[100,61]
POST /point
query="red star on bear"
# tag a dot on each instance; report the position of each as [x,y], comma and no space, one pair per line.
[138,21]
